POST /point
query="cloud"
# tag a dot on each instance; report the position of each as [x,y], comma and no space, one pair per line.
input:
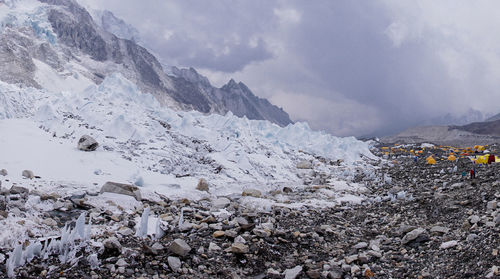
[349,67]
[220,35]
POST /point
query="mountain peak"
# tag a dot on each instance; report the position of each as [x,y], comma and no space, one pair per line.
[232,83]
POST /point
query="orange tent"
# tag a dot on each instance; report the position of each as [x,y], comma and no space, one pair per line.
[431,160]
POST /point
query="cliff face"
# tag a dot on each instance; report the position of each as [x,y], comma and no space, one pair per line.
[64,36]
[234,97]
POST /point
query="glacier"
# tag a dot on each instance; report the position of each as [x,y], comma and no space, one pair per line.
[164,146]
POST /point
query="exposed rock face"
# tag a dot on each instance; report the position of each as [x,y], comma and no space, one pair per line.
[443,135]
[124,189]
[196,91]
[75,38]
[87,143]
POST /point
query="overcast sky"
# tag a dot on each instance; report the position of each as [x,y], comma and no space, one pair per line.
[351,67]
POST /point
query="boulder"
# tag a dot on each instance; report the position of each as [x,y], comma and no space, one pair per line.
[239,248]
[412,235]
[174,263]
[304,165]
[448,244]
[87,143]
[202,185]
[221,202]
[293,273]
[179,247]
[252,193]
[28,174]
[123,189]
[112,246]
[3,172]
[18,190]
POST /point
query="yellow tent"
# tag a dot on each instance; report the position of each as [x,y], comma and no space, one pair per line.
[482,159]
[452,157]
[384,148]
[497,160]
[431,160]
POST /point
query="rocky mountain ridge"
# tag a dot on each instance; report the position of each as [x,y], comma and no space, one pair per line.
[61,38]
[486,132]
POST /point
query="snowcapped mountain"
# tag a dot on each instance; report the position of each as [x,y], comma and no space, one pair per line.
[50,42]
[470,116]
[494,117]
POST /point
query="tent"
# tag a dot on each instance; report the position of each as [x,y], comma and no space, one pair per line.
[479,147]
[482,159]
[431,160]
[452,157]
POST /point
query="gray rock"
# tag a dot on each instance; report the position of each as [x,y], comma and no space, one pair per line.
[112,243]
[213,247]
[87,143]
[355,269]
[180,247]
[491,205]
[293,272]
[252,193]
[440,229]
[157,247]
[239,248]
[18,190]
[497,219]
[474,219]
[239,239]
[3,172]
[125,231]
[360,245]
[49,222]
[28,174]
[174,263]
[241,221]
[221,202]
[336,273]
[202,185]
[412,235]
[261,233]
[375,254]
[350,259]
[304,165]
[121,262]
[123,189]
[448,244]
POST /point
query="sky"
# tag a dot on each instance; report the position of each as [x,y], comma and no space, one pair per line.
[350,67]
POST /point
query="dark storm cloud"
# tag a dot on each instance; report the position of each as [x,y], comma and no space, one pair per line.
[222,35]
[350,67]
